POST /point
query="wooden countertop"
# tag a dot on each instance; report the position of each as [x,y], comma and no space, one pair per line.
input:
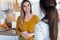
[9,32]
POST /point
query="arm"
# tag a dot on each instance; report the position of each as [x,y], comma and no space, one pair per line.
[18,31]
[17,27]
[30,34]
[27,35]
[38,33]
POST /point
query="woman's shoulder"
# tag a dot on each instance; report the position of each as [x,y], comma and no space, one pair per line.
[18,17]
[41,24]
[36,18]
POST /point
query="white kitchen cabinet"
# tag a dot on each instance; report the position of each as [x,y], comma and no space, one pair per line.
[8,35]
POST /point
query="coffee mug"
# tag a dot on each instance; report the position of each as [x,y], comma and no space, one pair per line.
[2,21]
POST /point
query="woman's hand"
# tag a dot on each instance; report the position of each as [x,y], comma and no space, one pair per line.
[30,34]
[25,34]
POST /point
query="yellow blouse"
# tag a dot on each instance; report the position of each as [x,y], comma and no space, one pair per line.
[27,26]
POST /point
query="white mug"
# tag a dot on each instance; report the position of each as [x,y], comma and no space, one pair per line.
[13,24]
[2,21]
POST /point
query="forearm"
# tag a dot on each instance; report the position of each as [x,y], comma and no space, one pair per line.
[18,33]
[31,34]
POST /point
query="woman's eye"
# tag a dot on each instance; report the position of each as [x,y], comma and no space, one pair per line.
[24,6]
[28,5]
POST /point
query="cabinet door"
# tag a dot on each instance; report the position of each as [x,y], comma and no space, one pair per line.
[4,37]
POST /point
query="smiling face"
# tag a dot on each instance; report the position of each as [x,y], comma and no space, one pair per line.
[26,7]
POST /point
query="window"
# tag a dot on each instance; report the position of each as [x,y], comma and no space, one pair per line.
[58,4]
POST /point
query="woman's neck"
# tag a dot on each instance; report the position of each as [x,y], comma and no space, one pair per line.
[27,14]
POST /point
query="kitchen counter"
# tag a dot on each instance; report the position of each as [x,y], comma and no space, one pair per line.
[9,32]
[8,35]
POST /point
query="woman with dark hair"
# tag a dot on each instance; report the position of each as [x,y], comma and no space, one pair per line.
[48,26]
[26,22]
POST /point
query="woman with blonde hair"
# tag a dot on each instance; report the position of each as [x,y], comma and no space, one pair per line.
[26,22]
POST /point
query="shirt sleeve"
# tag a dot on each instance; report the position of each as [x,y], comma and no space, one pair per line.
[17,27]
[41,31]
[38,34]
[37,19]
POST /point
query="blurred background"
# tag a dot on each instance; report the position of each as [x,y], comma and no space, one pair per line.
[10,10]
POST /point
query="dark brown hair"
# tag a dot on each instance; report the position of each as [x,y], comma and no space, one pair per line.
[51,14]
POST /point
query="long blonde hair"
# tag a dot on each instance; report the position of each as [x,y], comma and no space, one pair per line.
[22,15]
